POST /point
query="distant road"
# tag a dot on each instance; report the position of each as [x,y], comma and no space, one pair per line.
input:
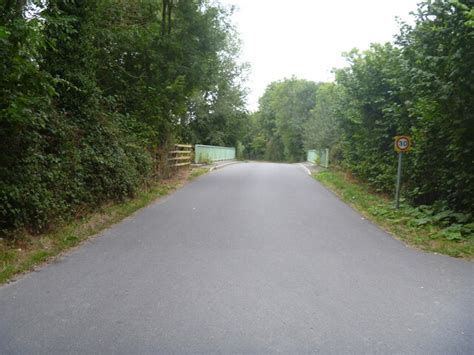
[252,258]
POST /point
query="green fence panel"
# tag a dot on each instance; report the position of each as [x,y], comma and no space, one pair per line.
[312,156]
[318,156]
[207,153]
[324,160]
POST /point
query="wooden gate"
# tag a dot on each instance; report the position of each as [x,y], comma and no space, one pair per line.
[181,155]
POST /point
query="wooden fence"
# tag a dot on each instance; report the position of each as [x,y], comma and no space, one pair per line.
[181,155]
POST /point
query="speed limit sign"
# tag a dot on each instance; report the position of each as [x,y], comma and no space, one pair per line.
[402,144]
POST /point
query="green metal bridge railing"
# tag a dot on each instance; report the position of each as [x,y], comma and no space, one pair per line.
[211,153]
[319,157]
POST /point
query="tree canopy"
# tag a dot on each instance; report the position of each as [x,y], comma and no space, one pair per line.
[284,109]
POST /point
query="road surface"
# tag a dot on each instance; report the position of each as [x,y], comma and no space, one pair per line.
[252,258]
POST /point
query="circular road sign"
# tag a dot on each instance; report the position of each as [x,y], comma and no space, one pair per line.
[402,144]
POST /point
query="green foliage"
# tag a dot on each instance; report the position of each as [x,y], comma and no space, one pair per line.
[439,51]
[93,93]
[216,113]
[371,114]
[322,130]
[284,109]
[424,87]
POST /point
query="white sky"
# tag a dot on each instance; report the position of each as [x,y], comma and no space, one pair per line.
[305,38]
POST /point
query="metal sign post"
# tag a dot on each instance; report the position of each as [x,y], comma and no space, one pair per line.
[399,178]
[402,145]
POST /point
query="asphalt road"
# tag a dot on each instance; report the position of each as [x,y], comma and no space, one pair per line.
[252,258]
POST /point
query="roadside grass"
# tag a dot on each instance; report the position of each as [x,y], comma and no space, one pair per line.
[27,251]
[196,172]
[418,227]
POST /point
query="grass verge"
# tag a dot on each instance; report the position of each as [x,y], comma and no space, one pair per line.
[417,227]
[196,172]
[26,251]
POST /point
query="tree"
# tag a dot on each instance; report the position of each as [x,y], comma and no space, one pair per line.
[421,86]
[322,128]
[438,51]
[283,110]
[372,112]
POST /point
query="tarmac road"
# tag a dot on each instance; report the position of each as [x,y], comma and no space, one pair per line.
[251,258]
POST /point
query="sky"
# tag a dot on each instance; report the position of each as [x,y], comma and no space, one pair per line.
[306,38]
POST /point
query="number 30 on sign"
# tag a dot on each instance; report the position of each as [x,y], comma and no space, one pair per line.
[402,144]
